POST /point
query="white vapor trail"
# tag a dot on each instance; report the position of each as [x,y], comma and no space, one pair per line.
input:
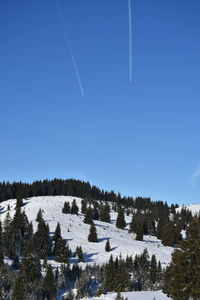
[130,41]
[195,174]
[70,49]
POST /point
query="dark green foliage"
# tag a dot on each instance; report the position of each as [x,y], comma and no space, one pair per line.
[170,235]
[83,206]
[16,233]
[92,237]
[107,246]
[19,203]
[66,208]
[30,268]
[48,286]
[74,208]
[19,290]
[133,225]
[104,214]
[139,232]
[1,257]
[182,278]
[40,242]
[57,234]
[75,188]
[39,217]
[15,263]
[79,253]
[61,251]
[120,223]
[89,216]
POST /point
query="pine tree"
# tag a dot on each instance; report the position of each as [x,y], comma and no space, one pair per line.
[104,214]
[107,247]
[57,234]
[83,206]
[139,232]
[39,217]
[89,216]
[19,203]
[66,208]
[30,268]
[153,269]
[133,225]
[79,253]
[182,277]
[120,223]
[48,286]
[92,237]
[74,208]
[61,251]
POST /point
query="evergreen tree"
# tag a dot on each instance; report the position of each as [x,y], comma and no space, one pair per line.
[153,269]
[30,268]
[61,251]
[107,247]
[79,253]
[182,277]
[48,286]
[83,206]
[139,232]
[39,217]
[66,208]
[57,234]
[104,214]
[133,225]
[92,237]
[19,203]
[89,216]
[74,208]
[120,223]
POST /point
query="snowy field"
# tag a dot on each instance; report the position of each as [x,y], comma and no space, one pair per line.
[76,232]
[158,295]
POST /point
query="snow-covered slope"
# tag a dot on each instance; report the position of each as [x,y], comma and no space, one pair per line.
[194,208]
[76,232]
[158,295]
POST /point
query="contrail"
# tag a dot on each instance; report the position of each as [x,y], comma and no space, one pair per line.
[70,49]
[130,41]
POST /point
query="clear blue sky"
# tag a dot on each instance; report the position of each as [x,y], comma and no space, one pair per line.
[138,139]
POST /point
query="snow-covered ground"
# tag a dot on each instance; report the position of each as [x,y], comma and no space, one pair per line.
[158,295]
[76,232]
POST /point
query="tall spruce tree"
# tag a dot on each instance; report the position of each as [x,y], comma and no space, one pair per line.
[48,286]
[120,223]
[107,246]
[66,208]
[182,277]
[92,237]
[74,208]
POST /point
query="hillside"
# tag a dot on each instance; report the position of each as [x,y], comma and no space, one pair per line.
[121,241]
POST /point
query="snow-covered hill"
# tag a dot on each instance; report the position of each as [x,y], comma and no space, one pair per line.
[158,295]
[194,208]
[75,231]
